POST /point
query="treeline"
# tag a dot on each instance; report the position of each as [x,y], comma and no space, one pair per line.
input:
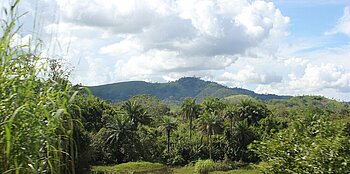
[143,128]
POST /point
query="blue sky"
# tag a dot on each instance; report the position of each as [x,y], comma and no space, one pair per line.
[289,47]
[313,19]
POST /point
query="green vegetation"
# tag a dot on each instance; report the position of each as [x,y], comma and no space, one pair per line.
[47,125]
[128,132]
[223,131]
[238,171]
[132,167]
[206,166]
[219,168]
[311,145]
[173,92]
[36,125]
[154,168]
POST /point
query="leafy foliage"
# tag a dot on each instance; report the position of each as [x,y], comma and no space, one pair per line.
[173,91]
[206,166]
[311,145]
[190,111]
[167,124]
[136,113]
[36,127]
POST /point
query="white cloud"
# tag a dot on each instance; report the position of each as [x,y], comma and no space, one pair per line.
[248,74]
[166,61]
[126,46]
[343,25]
[295,61]
[235,42]
[261,19]
[311,2]
[153,38]
[315,79]
[117,16]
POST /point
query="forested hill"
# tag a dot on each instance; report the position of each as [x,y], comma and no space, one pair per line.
[173,91]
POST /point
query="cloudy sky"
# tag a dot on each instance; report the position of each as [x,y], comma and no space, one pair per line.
[290,47]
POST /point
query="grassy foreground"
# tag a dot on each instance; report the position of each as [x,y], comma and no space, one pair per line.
[156,168]
[132,167]
[191,170]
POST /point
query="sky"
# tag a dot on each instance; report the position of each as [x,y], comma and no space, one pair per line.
[284,47]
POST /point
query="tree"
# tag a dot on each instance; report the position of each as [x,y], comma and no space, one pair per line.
[119,132]
[90,109]
[154,106]
[118,128]
[210,123]
[168,124]
[243,136]
[189,110]
[252,111]
[312,144]
[136,113]
[230,112]
[270,125]
[212,105]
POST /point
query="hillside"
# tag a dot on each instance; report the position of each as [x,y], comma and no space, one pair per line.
[173,91]
[310,101]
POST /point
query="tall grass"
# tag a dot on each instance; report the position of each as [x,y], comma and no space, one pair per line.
[35,123]
[206,166]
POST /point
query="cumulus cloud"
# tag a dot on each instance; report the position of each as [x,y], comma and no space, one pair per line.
[156,36]
[315,78]
[165,61]
[247,75]
[234,42]
[343,25]
[311,2]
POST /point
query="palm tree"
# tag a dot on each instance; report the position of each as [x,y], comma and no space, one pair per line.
[120,136]
[189,110]
[210,123]
[252,111]
[230,112]
[118,128]
[168,124]
[212,105]
[136,113]
[244,135]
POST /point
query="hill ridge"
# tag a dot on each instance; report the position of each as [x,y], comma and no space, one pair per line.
[176,90]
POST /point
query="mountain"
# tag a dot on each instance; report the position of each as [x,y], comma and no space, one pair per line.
[310,101]
[174,91]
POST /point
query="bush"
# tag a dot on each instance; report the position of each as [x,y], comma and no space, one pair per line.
[311,145]
[206,166]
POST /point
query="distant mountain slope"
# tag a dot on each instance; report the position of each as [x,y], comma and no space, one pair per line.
[310,101]
[173,91]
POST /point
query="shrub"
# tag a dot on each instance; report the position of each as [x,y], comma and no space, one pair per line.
[311,145]
[206,166]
